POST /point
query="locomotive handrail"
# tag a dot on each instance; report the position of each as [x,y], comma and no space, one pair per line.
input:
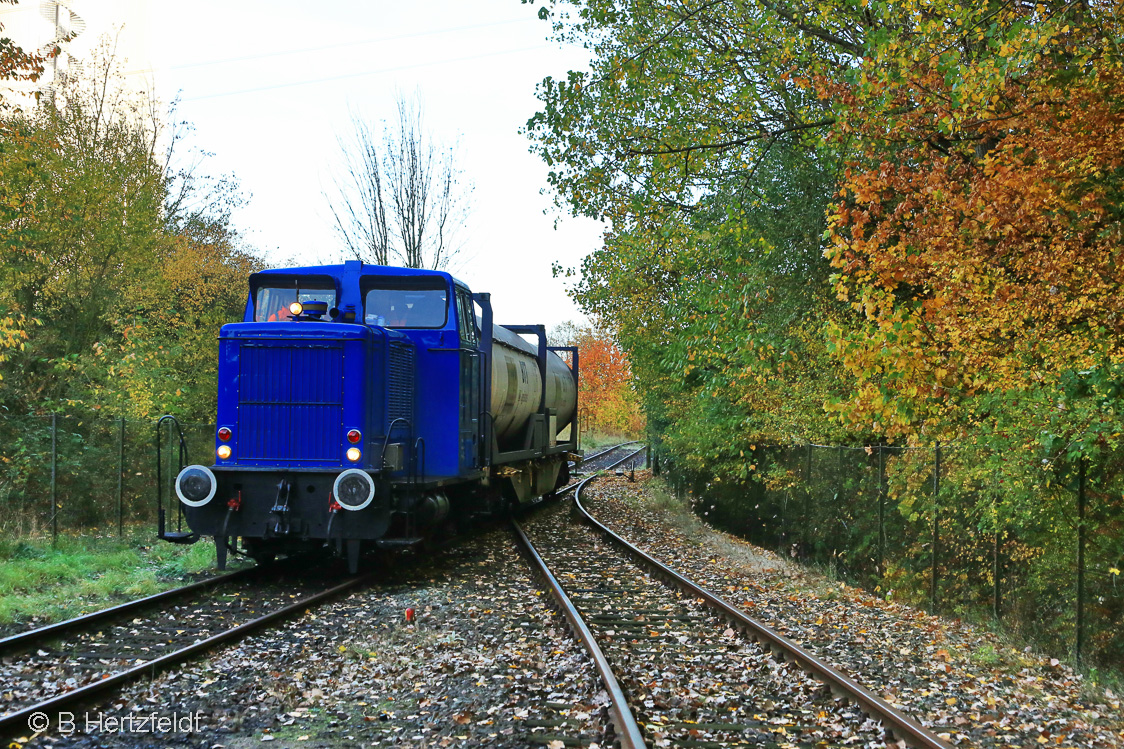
[414,459]
[478,356]
[183,459]
[484,299]
[487,433]
[386,439]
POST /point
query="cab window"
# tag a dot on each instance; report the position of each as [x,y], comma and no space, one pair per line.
[466,318]
[406,303]
[271,302]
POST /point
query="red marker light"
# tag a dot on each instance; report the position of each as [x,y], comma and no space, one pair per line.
[225,434]
[354,436]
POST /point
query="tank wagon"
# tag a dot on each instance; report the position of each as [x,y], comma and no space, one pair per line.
[365,405]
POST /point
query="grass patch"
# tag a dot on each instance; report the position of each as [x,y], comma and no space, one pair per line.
[1102,685]
[987,656]
[42,583]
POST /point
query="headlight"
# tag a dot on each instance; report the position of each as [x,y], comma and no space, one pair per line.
[354,489]
[353,454]
[296,308]
[223,452]
[196,486]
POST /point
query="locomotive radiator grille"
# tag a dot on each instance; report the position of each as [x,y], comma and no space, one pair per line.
[400,399]
[290,402]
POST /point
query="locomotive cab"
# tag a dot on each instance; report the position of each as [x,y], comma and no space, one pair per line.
[364,403]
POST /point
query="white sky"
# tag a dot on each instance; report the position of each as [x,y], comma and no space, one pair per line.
[268,85]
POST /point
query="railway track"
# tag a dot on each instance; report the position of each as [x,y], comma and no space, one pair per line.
[48,669]
[630,462]
[608,458]
[32,636]
[684,668]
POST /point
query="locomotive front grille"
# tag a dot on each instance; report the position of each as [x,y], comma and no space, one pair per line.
[290,402]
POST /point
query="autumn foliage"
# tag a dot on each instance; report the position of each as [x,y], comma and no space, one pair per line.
[859,224]
[116,269]
[981,257]
[605,395]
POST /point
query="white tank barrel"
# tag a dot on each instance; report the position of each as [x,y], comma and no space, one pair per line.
[517,385]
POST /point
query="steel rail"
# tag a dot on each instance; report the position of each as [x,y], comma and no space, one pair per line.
[576,484]
[12,720]
[900,726]
[628,731]
[606,451]
[21,639]
[630,456]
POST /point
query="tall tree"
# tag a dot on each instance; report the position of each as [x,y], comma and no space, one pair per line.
[606,393]
[15,65]
[962,278]
[400,197]
[98,245]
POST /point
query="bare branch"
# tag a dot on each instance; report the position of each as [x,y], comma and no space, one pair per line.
[400,198]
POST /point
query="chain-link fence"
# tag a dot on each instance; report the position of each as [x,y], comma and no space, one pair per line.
[958,530]
[64,474]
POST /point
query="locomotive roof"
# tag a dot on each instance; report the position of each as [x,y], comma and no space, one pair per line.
[365,269]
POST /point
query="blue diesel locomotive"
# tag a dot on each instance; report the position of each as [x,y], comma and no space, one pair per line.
[362,403]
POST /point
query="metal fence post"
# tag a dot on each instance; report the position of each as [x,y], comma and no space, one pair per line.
[121,479]
[936,532]
[839,521]
[807,504]
[54,478]
[782,537]
[996,567]
[881,514]
[1080,635]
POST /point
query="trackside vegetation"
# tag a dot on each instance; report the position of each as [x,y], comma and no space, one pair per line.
[890,229]
[118,264]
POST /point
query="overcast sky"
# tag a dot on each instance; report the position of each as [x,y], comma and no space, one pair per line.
[269,84]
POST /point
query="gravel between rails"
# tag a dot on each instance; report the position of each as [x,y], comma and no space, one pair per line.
[960,681]
[691,680]
[75,658]
[487,662]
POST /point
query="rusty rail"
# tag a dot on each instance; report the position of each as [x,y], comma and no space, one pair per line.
[900,726]
[628,731]
[17,720]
